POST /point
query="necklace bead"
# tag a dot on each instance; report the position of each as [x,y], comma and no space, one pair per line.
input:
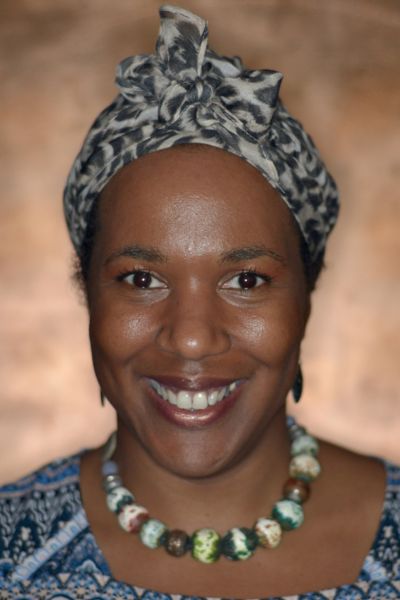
[132,516]
[117,497]
[176,542]
[296,490]
[206,545]
[289,514]
[305,467]
[239,543]
[151,533]
[304,444]
[269,532]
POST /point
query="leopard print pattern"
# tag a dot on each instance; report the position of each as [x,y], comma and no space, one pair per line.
[185,93]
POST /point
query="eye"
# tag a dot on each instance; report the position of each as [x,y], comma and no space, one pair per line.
[247,280]
[143,280]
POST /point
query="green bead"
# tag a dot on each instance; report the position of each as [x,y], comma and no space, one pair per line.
[151,533]
[289,514]
[206,545]
[239,543]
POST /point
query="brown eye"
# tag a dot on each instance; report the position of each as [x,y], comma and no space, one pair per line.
[142,279]
[248,280]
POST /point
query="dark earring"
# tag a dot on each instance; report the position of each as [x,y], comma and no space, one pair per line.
[102,398]
[297,388]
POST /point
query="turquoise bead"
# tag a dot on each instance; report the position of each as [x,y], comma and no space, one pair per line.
[289,514]
[151,533]
[239,543]
[206,545]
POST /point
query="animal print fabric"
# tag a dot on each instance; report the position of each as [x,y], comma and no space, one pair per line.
[185,93]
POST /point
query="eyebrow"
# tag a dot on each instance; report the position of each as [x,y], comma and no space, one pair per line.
[235,255]
[238,254]
[144,253]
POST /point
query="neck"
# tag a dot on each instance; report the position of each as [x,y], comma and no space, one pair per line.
[236,495]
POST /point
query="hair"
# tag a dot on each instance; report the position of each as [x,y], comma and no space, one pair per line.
[82,259]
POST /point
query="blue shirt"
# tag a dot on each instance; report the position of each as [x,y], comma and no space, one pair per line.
[48,551]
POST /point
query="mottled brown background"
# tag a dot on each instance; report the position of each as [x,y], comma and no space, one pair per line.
[341,62]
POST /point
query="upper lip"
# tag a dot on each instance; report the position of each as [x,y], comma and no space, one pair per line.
[192,384]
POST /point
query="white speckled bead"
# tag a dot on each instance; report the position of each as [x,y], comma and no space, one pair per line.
[304,466]
[269,532]
[289,514]
[151,532]
[119,497]
[205,545]
[304,444]
[132,516]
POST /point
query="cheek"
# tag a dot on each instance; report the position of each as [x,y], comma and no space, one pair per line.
[273,332]
[118,334]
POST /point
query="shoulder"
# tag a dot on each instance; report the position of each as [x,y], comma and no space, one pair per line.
[56,472]
[35,507]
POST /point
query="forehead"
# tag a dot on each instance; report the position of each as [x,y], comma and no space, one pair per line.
[200,192]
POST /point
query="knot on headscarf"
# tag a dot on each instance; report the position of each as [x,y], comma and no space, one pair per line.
[185,76]
[185,93]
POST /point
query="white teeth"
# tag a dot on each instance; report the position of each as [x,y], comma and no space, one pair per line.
[212,398]
[221,394]
[171,397]
[192,400]
[184,400]
[199,400]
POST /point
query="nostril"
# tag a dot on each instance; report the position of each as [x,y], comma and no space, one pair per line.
[192,338]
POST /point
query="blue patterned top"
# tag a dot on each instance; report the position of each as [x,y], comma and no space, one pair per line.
[48,551]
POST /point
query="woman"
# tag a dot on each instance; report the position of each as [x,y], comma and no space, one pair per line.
[199,210]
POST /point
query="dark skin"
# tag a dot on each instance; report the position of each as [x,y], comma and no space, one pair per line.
[196,218]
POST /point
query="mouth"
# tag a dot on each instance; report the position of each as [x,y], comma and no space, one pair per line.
[193,400]
[193,404]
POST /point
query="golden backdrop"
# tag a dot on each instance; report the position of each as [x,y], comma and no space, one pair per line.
[340,61]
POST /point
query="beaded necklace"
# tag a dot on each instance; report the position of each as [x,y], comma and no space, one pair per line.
[206,545]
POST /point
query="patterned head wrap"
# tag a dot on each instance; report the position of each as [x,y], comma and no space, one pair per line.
[186,93]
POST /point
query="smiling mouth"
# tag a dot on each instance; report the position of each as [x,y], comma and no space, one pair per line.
[193,401]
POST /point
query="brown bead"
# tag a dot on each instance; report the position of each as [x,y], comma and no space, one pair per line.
[296,490]
[176,543]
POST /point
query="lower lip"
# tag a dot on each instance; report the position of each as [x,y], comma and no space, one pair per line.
[197,418]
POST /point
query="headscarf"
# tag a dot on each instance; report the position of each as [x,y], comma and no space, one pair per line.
[185,93]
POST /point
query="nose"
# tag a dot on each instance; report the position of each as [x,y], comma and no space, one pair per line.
[193,327]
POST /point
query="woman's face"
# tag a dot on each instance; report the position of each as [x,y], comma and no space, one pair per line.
[198,304]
